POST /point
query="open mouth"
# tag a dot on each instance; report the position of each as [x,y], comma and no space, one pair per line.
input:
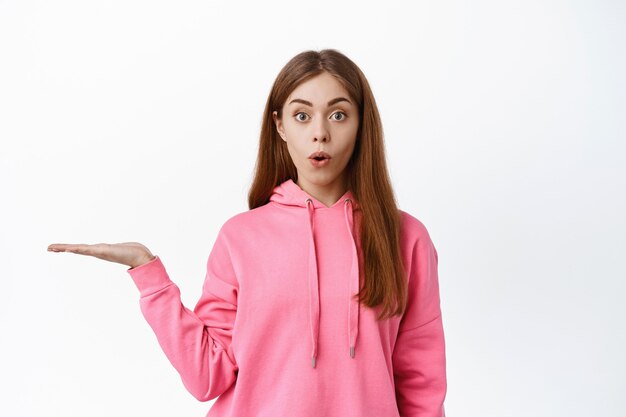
[319,159]
[319,156]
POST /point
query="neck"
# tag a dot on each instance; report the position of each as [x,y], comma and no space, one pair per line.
[327,194]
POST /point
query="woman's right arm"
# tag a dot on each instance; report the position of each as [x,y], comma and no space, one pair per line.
[198,342]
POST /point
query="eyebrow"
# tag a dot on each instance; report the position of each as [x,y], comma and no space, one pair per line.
[330,103]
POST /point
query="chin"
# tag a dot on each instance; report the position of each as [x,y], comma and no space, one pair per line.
[321,178]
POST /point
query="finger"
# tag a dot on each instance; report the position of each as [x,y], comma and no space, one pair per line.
[82,249]
[59,247]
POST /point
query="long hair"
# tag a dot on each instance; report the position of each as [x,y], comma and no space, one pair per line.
[383,280]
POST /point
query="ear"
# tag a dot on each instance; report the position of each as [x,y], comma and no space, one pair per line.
[279,125]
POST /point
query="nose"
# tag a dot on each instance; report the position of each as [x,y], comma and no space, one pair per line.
[320,131]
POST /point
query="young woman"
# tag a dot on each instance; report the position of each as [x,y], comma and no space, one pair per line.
[323,298]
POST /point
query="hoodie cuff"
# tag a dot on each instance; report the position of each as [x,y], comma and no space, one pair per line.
[150,277]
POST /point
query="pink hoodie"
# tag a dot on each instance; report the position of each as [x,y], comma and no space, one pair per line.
[276,331]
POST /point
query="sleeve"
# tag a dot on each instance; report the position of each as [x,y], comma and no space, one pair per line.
[419,361]
[198,342]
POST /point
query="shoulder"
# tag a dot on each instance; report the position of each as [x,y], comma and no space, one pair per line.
[418,249]
[240,223]
[412,230]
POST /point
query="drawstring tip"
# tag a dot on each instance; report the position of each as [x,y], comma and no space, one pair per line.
[313,361]
[352,351]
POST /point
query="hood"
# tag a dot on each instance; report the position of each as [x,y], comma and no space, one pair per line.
[289,193]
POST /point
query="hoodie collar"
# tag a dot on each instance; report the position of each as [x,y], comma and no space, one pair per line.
[289,193]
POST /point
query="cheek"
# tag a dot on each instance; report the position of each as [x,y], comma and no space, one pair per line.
[348,131]
[296,150]
[295,133]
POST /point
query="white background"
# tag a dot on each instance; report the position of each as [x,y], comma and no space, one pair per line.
[139,120]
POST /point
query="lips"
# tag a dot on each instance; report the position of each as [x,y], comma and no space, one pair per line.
[319,156]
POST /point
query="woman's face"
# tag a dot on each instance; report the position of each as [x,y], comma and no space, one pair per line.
[319,115]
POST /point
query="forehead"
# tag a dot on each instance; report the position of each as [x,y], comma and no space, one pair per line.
[319,90]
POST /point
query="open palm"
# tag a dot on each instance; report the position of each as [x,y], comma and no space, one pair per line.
[127,253]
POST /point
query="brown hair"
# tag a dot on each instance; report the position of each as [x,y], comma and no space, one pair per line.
[368,179]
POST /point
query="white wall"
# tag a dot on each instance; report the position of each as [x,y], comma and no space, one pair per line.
[139,121]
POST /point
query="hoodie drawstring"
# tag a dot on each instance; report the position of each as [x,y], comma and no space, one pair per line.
[354,307]
[314,294]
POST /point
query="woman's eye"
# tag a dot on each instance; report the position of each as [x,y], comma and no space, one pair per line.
[342,113]
[299,114]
